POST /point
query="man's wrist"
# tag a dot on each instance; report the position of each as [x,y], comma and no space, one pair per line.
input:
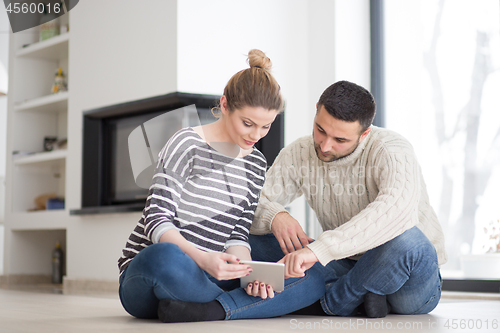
[321,251]
[279,216]
[269,212]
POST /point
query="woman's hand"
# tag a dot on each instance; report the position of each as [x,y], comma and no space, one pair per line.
[222,266]
[259,289]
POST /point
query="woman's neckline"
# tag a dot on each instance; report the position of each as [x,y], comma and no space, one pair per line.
[239,156]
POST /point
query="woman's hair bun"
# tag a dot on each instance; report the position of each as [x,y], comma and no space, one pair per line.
[257,58]
[254,86]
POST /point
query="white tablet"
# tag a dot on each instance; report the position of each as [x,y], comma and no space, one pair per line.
[270,273]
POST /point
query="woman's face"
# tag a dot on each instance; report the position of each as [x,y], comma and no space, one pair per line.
[246,126]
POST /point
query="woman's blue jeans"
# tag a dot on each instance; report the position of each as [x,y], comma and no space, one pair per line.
[163,271]
[405,269]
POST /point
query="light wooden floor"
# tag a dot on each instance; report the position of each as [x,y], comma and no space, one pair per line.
[30,311]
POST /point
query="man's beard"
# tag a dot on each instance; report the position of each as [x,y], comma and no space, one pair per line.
[332,157]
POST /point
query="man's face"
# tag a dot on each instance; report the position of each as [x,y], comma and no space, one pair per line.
[334,138]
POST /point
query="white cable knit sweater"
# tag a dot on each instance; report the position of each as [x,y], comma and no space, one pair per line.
[361,201]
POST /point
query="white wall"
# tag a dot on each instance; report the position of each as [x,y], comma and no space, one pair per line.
[352,41]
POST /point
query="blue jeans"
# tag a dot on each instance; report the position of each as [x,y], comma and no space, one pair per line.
[405,269]
[163,271]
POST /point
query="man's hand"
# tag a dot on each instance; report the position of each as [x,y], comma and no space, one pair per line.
[289,233]
[296,263]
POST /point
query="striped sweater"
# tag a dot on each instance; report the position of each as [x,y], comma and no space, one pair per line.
[210,198]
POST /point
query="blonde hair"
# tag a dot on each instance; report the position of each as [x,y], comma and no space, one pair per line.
[254,86]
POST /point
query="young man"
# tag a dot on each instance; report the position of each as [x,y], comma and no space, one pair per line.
[382,244]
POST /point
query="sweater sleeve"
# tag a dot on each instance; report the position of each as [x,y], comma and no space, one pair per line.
[394,210]
[171,174]
[282,186]
[239,235]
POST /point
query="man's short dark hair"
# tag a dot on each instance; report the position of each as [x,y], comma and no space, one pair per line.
[349,102]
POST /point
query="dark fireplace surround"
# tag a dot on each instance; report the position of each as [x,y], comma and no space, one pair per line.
[100,145]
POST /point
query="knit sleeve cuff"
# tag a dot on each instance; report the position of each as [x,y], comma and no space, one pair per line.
[321,251]
[160,230]
[237,242]
[262,222]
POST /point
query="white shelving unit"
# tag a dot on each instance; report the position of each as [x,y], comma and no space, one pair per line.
[37,114]
[34,113]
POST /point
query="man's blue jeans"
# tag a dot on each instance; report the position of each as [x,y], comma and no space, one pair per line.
[163,270]
[405,269]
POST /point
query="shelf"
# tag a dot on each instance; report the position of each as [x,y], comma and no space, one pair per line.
[41,157]
[50,103]
[39,220]
[115,209]
[55,48]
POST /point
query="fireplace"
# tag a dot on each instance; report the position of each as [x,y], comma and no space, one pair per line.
[110,180]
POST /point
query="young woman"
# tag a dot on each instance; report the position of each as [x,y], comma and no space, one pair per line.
[182,261]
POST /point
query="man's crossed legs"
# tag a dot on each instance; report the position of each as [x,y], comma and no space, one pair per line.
[405,269]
